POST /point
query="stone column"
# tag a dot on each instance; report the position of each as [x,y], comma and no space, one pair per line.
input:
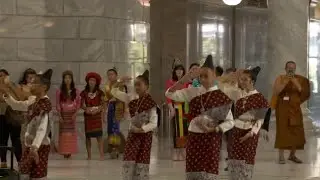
[288,41]
[288,37]
[168,35]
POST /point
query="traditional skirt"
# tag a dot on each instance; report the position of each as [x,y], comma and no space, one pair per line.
[68,142]
[93,125]
[113,125]
[180,125]
[242,155]
[29,168]
[137,156]
[203,155]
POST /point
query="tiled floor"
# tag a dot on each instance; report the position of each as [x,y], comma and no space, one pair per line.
[266,167]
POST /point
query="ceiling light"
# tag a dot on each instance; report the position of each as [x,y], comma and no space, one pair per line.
[232,2]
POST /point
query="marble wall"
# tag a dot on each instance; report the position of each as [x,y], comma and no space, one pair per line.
[264,37]
[77,35]
[168,36]
[288,36]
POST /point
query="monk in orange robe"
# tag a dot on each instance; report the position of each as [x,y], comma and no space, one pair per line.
[290,91]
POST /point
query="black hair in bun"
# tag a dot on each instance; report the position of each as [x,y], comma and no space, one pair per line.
[145,77]
[45,78]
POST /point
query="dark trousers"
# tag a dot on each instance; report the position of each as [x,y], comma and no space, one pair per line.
[7,129]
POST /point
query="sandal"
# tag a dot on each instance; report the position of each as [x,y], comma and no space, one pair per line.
[295,159]
[282,161]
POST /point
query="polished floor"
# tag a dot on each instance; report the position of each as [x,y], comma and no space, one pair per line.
[266,167]
[78,168]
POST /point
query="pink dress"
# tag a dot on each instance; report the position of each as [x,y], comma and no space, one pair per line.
[68,143]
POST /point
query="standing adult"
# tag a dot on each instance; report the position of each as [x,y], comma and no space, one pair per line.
[68,102]
[4,133]
[289,92]
[178,111]
[14,124]
[24,92]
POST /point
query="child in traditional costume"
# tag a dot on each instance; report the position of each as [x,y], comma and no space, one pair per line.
[115,110]
[92,102]
[208,106]
[178,113]
[68,102]
[34,161]
[143,113]
[250,111]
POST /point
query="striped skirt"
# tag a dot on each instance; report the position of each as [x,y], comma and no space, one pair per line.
[68,143]
[180,126]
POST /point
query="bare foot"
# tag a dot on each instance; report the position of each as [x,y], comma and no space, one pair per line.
[101,158]
[88,158]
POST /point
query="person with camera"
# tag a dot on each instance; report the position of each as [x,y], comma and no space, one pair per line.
[289,92]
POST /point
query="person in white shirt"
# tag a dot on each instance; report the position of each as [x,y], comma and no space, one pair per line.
[143,113]
[34,161]
[250,110]
[208,106]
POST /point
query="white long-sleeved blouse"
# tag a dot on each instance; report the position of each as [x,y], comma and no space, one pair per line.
[152,113]
[187,94]
[40,126]
[245,120]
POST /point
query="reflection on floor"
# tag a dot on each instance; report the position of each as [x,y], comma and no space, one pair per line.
[266,167]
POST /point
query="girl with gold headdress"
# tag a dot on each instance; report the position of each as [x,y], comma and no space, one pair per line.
[68,102]
[115,110]
[144,118]
[178,111]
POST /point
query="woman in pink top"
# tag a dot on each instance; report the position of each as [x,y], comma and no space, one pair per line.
[68,103]
[178,115]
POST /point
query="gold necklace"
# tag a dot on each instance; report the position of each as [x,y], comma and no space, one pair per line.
[139,104]
[203,104]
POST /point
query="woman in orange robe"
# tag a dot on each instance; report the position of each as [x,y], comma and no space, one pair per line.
[290,91]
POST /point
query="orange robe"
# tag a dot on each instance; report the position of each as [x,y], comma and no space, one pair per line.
[289,118]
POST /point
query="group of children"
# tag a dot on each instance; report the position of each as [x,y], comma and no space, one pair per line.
[210,116]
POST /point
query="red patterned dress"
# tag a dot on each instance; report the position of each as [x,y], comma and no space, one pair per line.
[143,113]
[250,111]
[37,136]
[93,122]
[203,149]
